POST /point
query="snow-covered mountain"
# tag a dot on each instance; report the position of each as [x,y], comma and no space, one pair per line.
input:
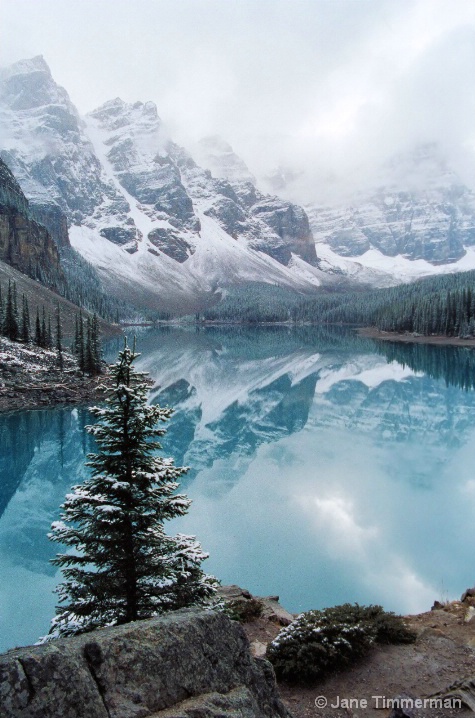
[164,232]
[217,155]
[416,218]
[161,231]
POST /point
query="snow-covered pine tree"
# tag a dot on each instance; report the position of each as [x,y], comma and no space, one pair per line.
[124,566]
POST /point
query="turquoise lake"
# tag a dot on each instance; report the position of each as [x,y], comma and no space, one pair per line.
[323,467]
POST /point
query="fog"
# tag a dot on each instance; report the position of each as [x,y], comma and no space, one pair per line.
[328,88]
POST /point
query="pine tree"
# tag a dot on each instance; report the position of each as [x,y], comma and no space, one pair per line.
[96,344]
[44,331]
[15,300]
[88,355]
[59,337]
[38,332]
[25,321]
[124,566]
[10,323]
[2,311]
[81,348]
[49,334]
[75,342]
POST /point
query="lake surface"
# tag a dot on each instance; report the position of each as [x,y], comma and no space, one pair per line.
[324,468]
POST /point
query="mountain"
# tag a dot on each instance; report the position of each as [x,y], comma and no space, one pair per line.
[49,276]
[218,156]
[417,218]
[170,231]
[161,231]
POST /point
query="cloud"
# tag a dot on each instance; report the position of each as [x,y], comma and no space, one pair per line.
[333,87]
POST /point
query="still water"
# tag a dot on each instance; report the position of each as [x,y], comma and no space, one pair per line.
[323,467]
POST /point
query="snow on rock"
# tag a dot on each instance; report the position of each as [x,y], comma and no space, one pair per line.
[214,153]
[418,219]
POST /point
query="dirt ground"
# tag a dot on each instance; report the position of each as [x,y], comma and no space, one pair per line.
[444,653]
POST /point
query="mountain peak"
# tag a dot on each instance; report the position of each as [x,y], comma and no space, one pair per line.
[117,110]
[218,156]
[26,67]
[111,106]
[28,84]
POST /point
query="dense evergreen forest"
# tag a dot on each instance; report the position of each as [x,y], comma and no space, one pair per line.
[46,331]
[435,305]
[82,286]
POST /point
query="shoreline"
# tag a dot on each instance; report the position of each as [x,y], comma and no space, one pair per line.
[30,379]
[27,387]
[434,340]
[70,391]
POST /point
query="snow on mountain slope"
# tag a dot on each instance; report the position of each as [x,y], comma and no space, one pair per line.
[377,269]
[225,263]
[167,233]
[161,231]
[218,156]
[418,218]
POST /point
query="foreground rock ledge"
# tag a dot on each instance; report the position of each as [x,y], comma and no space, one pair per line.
[188,663]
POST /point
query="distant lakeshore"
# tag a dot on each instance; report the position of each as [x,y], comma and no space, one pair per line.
[412,338]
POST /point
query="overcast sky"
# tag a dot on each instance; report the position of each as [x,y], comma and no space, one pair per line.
[331,85]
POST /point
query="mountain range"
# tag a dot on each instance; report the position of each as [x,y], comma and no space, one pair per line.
[167,233]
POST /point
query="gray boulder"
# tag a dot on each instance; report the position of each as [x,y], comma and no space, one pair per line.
[186,663]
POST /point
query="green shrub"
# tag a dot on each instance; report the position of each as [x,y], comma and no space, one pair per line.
[389,628]
[243,610]
[319,642]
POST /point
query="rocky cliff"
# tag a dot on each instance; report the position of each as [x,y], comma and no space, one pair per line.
[188,663]
[24,243]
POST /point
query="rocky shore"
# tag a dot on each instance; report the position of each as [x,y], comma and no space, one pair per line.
[200,664]
[414,338]
[30,378]
[440,664]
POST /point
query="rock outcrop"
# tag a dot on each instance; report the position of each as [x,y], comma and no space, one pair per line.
[188,663]
[24,243]
[219,157]
[268,607]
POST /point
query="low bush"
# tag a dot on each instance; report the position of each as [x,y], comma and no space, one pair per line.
[243,610]
[319,642]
